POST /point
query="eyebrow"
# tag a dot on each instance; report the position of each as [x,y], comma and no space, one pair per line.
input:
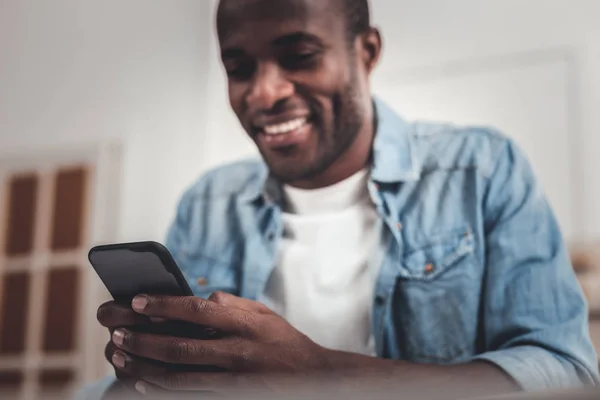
[287,40]
[231,53]
[297,37]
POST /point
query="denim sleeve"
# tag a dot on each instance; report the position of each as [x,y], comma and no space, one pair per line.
[535,316]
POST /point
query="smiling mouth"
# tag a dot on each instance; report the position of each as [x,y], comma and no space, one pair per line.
[287,134]
[285,127]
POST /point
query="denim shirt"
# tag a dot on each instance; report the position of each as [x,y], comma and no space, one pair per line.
[472,263]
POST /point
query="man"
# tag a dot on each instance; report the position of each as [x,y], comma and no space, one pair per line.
[363,247]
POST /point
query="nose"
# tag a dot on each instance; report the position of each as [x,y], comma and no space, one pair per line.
[268,88]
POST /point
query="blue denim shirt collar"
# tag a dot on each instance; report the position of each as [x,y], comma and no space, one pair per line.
[394,159]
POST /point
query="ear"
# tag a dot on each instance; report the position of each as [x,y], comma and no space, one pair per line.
[370,48]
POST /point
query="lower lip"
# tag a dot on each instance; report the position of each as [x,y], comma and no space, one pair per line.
[291,138]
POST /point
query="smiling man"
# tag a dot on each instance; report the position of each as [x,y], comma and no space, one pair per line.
[361,247]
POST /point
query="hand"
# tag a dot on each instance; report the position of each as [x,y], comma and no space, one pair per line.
[112,316]
[255,343]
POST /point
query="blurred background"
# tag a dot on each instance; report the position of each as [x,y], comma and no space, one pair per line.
[110,109]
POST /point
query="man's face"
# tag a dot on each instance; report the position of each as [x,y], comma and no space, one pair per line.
[295,83]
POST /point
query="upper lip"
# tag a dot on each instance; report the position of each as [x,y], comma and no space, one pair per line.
[261,122]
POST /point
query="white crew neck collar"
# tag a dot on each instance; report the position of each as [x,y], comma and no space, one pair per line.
[344,194]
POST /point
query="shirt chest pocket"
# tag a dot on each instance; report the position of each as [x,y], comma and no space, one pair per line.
[435,300]
[428,261]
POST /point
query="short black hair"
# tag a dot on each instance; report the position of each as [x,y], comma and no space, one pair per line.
[358,17]
[355,12]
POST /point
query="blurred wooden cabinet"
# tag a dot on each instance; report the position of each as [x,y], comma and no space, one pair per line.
[52,208]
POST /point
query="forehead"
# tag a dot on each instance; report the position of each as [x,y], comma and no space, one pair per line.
[261,21]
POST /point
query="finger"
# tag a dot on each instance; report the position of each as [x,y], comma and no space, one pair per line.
[229,300]
[139,368]
[195,310]
[109,350]
[112,315]
[132,366]
[176,350]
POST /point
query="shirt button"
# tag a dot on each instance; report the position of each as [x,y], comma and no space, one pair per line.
[399,226]
[379,300]
[271,236]
[429,268]
[202,281]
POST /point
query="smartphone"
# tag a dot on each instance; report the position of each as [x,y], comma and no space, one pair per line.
[129,269]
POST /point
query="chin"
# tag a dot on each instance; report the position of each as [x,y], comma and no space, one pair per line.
[294,163]
[287,173]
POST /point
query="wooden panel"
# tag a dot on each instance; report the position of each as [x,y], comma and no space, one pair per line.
[61,307]
[10,383]
[55,380]
[21,215]
[15,301]
[69,198]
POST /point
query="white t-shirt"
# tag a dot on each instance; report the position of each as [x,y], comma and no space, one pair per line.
[322,282]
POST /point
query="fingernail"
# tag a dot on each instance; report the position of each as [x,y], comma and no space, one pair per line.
[139,303]
[118,337]
[118,359]
[140,387]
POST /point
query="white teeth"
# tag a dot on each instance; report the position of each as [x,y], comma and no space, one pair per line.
[285,127]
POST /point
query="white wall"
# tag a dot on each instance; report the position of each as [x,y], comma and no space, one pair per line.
[421,32]
[78,73]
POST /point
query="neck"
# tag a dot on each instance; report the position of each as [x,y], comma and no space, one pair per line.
[349,163]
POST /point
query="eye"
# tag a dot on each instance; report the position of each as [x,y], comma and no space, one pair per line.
[239,70]
[300,60]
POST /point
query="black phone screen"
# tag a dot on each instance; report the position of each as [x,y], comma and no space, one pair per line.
[138,268]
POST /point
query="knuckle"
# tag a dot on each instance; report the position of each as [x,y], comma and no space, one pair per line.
[195,304]
[206,352]
[247,323]
[217,297]
[264,309]
[178,350]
